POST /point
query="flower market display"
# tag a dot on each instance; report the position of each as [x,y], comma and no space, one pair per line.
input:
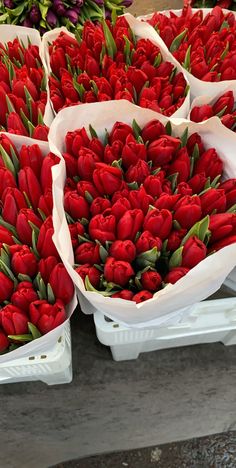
[134,208]
[110,62]
[44,15]
[34,285]
[23,94]
[205,45]
[223,107]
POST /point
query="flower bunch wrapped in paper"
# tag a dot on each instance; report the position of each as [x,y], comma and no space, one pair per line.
[44,15]
[24,106]
[204,108]
[203,42]
[150,206]
[111,62]
[35,288]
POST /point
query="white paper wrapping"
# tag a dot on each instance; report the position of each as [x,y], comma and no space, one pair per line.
[142,30]
[9,33]
[197,87]
[201,281]
[46,342]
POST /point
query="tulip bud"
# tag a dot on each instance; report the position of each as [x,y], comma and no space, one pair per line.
[45,267]
[117,271]
[107,179]
[29,184]
[142,296]
[14,321]
[45,244]
[4,342]
[47,316]
[61,284]
[31,156]
[130,224]
[124,294]
[102,228]
[123,250]
[24,262]
[158,222]
[24,230]
[6,287]
[23,298]
[93,274]
[76,206]
[175,275]
[88,252]
[151,280]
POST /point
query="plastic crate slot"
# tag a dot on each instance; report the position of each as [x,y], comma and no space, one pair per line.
[31,358]
[44,356]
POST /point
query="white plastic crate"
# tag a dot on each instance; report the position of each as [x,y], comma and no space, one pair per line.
[230,281]
[208,322]
[53,367]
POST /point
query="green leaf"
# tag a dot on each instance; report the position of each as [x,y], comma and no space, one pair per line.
[83,239]
[184,138]
[29,101]
[34,331]
[103,253]
[176,258]
[43,11]
[127,50]
[79,88]
[10,106]
[232,209]
[23,338]
[177,41]
[22,277]
[168,128]
[34,243]
[94,87]
[93,132]
[110,42]
[133,185]
[88,196]
[7,161]
[221,113]
[90,287]
[195,153]
[158,60]
[136,129]
[186,63]
[215,183]
[40,118]
[16,11]
[148,258]
[203,227]
[225,51]
[199,230]
[8,272]
[15,159]
[173,179]
[8,226]
[50,294]
[224,25]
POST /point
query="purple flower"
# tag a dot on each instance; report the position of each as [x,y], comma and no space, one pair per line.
[27,23]
[107,14]
[59,8]
[72,15]
[51,19]
[127,3]
[9,4]
[35,15]
[99,2]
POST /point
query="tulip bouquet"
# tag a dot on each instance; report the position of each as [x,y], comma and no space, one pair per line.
[111,62]
[145,205]
[35,288]
[23,87]
[44,15]
[204,108]
[230,4]
[203,41]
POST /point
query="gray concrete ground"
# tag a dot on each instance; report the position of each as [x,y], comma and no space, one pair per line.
[164,396]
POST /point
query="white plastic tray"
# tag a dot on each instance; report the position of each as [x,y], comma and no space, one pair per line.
[53,367]
[208,322]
